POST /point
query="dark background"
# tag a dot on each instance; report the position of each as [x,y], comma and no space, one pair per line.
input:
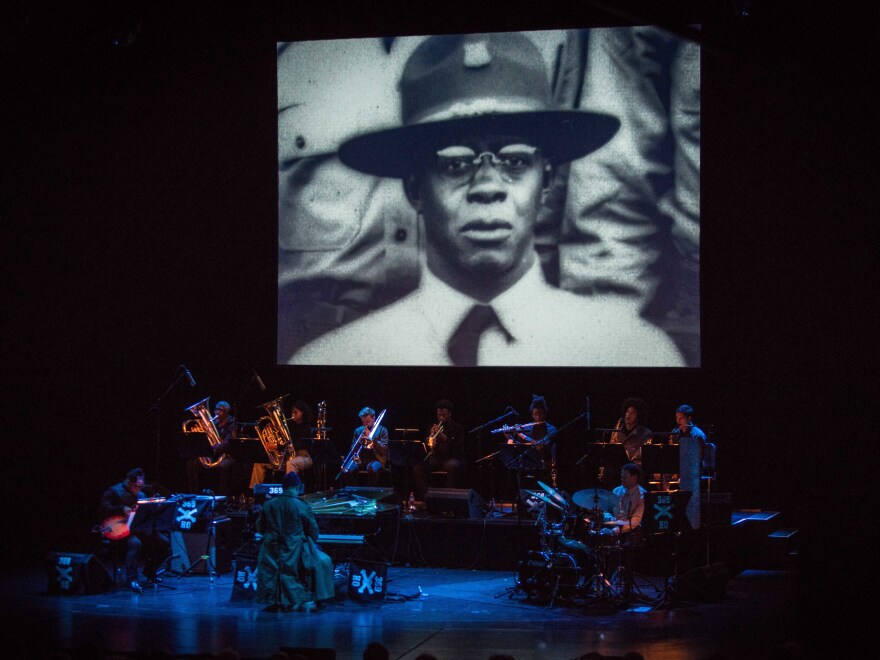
[139,192]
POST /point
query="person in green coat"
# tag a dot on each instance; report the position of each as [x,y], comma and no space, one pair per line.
[292,572]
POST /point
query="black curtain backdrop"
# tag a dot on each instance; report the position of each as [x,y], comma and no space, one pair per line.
[139,199]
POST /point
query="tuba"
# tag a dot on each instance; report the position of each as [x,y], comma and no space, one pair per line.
[273,432]
[204,423]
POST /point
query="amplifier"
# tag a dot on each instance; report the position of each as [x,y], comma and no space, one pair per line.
[204,551]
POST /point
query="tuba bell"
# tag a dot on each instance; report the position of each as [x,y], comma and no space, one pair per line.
[204,423]
[273,432]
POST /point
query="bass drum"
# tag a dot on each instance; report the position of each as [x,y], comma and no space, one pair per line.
[541,574]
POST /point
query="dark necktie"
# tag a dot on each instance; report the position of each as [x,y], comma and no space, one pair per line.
[465,341]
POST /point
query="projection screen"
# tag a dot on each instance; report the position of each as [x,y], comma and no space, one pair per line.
[498,200]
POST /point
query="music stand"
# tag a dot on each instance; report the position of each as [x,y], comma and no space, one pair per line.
[209,539]
[252,451]
[660,459]
[151,519]
[323,454]
[194,444]
[406,454]
[606,461]
[519,457]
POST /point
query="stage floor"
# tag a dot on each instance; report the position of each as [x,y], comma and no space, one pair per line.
[460,614]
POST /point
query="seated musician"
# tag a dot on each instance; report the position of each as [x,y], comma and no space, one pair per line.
[373,455]
[445,443]
[298,457]
[630,507]
[292,572]
[117,504]
[630,432]
[227,429]
[541,434]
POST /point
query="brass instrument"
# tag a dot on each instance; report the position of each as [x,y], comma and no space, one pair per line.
[432,439]
[321,422]
[273,432]
[204,423]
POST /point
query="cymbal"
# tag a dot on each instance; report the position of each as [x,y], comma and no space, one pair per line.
[552,492]
[547,500]
[591,498]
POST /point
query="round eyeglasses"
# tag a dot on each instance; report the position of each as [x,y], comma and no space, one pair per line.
[460,164]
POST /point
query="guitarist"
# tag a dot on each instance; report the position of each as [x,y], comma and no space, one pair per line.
[118,504]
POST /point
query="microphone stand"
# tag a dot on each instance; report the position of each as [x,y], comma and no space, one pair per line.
[507,413]
[157,407]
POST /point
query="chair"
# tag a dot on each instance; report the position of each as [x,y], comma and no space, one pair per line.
[707,466]
[112,556]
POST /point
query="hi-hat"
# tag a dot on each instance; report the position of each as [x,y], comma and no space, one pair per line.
[593,498]
[552,492]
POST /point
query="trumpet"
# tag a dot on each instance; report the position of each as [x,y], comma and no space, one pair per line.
[432,439]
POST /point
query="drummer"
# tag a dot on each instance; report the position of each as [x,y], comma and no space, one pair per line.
[630,508]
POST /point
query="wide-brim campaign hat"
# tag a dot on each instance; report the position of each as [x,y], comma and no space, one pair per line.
[479,84]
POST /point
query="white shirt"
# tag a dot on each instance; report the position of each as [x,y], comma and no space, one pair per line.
[548,326]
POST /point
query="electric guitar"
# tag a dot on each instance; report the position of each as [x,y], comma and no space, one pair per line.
[116,528]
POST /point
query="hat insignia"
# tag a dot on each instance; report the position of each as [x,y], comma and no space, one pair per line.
[476,54]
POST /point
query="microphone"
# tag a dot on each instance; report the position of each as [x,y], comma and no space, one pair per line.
[588,413]
[189,376]
[511,411]
[259,381]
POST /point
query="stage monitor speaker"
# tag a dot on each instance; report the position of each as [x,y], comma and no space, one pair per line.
[454,503]
[367,580]
[244,578]
[187,548]
[73,573]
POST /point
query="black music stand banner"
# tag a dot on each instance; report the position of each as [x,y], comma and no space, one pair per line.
[193,513]
[665,511]
[367,580]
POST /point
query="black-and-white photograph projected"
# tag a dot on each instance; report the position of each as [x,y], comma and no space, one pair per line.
[497,199]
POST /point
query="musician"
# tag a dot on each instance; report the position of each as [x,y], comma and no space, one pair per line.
[289,534]
[121,500]
[447,437]
[298,457]
[378,446]
[691,440]
[630,432]
[630,507]
[541,434]
[227,430]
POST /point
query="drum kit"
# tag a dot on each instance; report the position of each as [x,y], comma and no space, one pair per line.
[576,561]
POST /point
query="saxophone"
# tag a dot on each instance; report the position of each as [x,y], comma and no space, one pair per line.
[273,432]
[204,423]
[321,422]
